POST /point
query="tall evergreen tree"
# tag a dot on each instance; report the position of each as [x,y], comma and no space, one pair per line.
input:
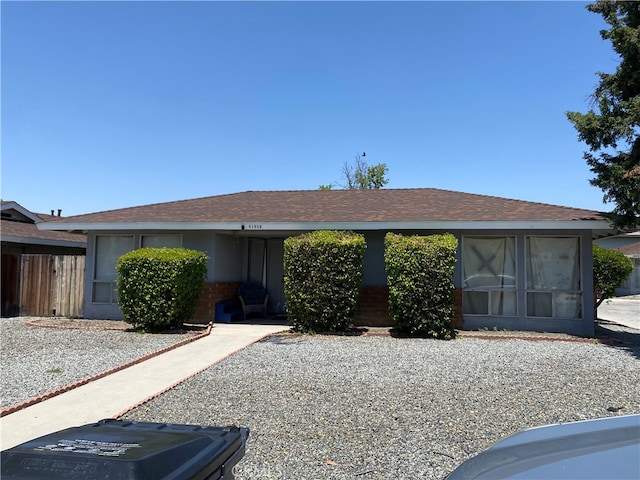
[611,127]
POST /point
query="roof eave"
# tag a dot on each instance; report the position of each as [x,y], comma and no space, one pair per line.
[11,205]
[600,225]
[44,241]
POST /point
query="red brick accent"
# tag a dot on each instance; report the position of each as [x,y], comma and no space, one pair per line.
[373,307]
[212,293]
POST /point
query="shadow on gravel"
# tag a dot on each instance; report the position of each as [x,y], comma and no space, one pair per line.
[259,320]
[622,338]
[395,334]
[351,332]
[196,328]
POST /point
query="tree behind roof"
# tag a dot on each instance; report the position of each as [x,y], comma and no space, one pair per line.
[361,175]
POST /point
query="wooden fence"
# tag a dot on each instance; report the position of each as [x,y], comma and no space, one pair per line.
[51,285]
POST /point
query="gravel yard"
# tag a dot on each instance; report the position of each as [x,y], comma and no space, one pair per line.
[376,407]
[36,360]
[349,407]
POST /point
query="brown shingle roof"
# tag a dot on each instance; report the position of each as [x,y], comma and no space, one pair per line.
[631,249]
[384,205]
[30,233]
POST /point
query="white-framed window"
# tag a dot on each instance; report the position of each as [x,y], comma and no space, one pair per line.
[553,277]
[489,276]
[160,241]
[108,249]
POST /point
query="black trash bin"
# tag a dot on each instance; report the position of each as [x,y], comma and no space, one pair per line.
[123,450]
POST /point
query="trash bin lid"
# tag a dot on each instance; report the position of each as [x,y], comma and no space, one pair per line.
[124,450]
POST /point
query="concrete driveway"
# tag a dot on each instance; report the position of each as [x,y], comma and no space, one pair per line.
[621,310]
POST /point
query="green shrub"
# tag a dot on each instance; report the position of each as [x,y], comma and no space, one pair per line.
[610,269]
[322,275]
[158,288]
[420,280]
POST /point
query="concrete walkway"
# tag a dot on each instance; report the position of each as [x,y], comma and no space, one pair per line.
[621,310]
[115,394]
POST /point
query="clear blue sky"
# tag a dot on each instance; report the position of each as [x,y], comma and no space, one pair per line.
[117,104]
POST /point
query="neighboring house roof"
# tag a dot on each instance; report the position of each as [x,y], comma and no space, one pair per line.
[418,208]
[626,243]
[631,250]
[15,211]
[19,225]
[631,236]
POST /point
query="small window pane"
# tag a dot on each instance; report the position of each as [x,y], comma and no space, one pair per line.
[539,304]
[568,305]
[503,303]
[102,292]
[475,303]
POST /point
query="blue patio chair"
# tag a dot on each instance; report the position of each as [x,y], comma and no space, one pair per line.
[253,298]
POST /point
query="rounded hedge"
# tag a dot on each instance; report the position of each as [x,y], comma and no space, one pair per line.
[158,288]
[322,275]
